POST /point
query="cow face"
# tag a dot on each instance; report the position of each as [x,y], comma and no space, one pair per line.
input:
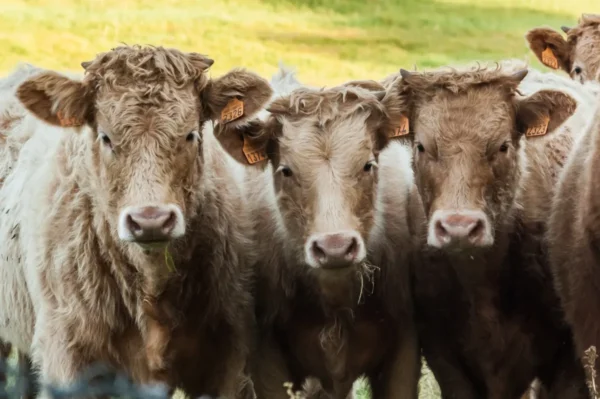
[578,54]
[144,109]
[468,131]
[323,146]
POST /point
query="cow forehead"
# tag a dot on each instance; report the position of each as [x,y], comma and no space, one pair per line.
[125,110]
[474,115]
[341,142]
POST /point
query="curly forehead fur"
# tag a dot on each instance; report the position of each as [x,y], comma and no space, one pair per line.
[460,81]
[325,105]
[151,69]
[586,22]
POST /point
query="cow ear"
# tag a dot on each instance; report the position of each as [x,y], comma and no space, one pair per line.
[543,112]
[56,99]
[550,48]
[250,144]
[397,124]
[235,97]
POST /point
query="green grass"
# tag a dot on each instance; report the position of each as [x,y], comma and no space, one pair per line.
[327,41]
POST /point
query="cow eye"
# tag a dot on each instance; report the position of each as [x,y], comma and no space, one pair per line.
[369,165]
[106,140]
[504,147]
[420,147]
[285,170]
[191,136]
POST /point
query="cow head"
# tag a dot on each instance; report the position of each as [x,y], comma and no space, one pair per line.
[467,130]
[578,54]
[144,109]
[323,146]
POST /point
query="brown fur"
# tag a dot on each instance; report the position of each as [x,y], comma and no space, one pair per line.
[333,325]
[143,110]
[488,317]
[578,54]
[573,236]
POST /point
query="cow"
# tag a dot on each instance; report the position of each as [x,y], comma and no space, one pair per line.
[573,232]
[487,150]
[578,54]
[125,239]
[335,215]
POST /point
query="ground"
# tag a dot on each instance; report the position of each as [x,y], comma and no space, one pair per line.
[328,42]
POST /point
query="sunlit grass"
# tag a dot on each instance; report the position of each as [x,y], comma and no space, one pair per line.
[328,41]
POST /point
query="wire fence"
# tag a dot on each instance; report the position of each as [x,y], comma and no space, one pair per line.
[98,381]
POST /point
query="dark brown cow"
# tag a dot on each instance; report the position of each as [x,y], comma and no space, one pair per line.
[335,215]
[578,54]
[487,315]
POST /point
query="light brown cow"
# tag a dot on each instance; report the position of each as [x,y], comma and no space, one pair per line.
[578,54]
[123,227]
[335,215]
[574,232]
[486,160]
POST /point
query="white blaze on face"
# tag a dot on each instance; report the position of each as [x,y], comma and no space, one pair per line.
[334,241]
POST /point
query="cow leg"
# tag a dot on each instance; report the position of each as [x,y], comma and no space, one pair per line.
[448,372]
[270,371]
[28,372]
[400,376]
[5,349]
[568,379]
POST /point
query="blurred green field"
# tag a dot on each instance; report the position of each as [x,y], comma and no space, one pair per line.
[327,41]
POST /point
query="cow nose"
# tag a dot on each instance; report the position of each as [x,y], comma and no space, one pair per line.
[335,250]
[467,226]
[151,223]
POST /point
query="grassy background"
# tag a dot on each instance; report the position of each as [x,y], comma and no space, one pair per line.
[327,41]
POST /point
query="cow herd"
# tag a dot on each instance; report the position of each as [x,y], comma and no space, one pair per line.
[224,236]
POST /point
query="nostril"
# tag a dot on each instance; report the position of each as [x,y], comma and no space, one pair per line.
[133,226]
[352,249]
[318,251]
[440,231]
[169,224]
[477,230]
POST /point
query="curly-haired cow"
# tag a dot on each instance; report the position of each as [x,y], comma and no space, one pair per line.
[578,54]
[335,214]
[487,153]
[124,233]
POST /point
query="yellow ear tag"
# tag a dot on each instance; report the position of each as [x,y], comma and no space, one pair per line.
[538,130]
[549,59]
[169,260]
[232,111]
[67,122]
[253,154]
[402,129]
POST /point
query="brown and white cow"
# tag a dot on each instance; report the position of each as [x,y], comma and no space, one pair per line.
[124,234]
[486,159]
[578,54]
[335,216]
[574,232]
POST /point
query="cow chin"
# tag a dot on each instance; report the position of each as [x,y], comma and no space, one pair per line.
[152,227]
